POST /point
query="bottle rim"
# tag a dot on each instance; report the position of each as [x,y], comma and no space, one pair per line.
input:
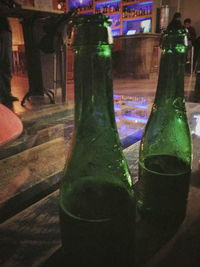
[91,30]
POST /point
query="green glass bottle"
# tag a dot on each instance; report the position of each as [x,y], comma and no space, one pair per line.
[97,207]
[165,148]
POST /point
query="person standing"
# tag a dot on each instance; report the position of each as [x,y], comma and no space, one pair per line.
[5,62]
[191,31]
[191,34]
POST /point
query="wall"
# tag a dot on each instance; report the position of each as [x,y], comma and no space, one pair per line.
[17,35]
[48,5]
[26,2]
[191,9]
[188,9]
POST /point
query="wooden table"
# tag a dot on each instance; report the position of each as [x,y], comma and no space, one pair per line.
[32,237]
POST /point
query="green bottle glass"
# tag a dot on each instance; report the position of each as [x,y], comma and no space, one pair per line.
[97,207]
[165,148]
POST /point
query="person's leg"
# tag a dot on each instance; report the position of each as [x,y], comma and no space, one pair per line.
[6,78]
[3,91]
[188,54]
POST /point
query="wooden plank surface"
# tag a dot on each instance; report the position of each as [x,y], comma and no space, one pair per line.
[32,236]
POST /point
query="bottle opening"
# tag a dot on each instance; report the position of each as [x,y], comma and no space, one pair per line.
[91,30]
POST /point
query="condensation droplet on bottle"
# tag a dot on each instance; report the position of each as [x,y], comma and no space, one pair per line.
[179,103]
[154,107]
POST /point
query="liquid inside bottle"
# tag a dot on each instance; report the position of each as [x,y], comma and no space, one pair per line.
[163,188]
[99,229]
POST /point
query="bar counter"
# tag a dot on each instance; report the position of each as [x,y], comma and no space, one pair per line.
[32,237]
[136,55]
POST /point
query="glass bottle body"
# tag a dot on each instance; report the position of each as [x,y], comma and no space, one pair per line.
[165,149]
[97,208]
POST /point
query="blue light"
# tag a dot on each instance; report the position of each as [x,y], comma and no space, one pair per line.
[117,96]
[145,3]
[136,19]
[115,32]
[139,4]
[138,134]
[136,119]
[78,3]
[140,106]
[114,16]
[137,105]
[107,2]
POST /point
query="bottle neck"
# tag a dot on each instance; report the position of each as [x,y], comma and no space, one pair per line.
[93,88]
[171,77]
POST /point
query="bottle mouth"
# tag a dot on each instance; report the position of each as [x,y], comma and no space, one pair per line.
[91,30]
[94,18]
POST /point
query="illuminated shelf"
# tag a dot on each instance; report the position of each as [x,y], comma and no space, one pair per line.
[137,18]
[136,3]
[116,9]
[107,2]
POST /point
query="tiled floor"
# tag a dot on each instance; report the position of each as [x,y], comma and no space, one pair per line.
[133,99]
[126,86]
